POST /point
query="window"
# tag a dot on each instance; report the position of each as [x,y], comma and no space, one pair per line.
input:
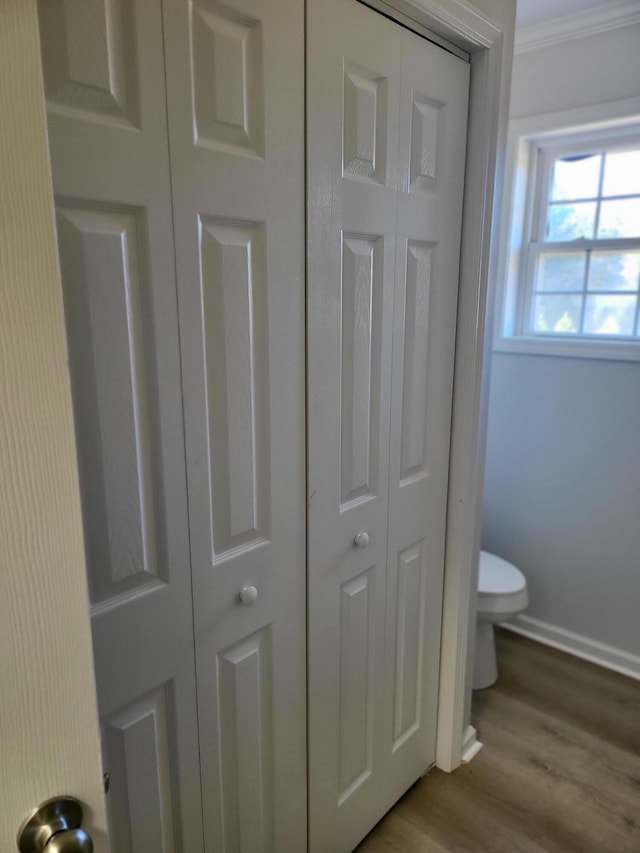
[574,269]
[583,264]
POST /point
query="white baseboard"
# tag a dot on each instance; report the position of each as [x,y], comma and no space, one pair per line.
[471,746]
[576,644]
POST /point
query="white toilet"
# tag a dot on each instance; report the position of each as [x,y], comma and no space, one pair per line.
[502,594]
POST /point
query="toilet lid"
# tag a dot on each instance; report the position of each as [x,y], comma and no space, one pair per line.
[498,577]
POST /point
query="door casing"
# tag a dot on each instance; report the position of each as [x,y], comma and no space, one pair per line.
[489,43]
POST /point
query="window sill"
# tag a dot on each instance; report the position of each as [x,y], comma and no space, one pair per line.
[604,350]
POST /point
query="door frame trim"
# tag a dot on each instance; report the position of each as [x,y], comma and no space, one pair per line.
[490,46]
[388,11]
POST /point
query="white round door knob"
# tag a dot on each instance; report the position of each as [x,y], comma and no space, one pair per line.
[248,595]
[361,540]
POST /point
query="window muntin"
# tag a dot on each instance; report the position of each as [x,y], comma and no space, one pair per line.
[582,263]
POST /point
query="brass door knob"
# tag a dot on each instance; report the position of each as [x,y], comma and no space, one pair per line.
[54,827]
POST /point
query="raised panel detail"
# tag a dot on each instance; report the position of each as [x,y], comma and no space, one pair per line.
[88,56]
[413,454]
[364,125]
[227,78]
[426,119]
[356,683]
[409,637]
[102,262]
[138,745]
[360,385]
[234,300]
[246,743]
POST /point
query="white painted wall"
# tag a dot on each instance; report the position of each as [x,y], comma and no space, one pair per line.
[591,70]
[562,489]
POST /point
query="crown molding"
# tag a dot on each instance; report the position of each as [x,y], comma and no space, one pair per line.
[456,20]
[612,16]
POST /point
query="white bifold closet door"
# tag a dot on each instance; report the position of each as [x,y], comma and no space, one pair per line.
[103,68]
[235,96]
[177,148]
[386,117]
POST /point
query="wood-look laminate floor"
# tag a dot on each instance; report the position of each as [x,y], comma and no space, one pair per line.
[559,771]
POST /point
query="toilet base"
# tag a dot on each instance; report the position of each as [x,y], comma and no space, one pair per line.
[485,671]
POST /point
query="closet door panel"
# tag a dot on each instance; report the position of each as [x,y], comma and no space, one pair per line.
[432,134]
[103,64]
[138,748]
[386,141]
[352,106]
[235,106]
[99,252]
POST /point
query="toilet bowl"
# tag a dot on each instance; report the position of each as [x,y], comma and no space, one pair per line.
[502,594]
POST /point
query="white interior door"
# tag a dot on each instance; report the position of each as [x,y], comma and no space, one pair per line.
[432,132]
[49,742]
[353,68]
[234,101]
[236,117]
[386,116]
[103,68]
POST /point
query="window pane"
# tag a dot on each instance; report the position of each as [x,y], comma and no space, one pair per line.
[571,221]
[622,173]
[561,272]
[614,271]
[609,315]
[556,313]
[576,177]
[620,218]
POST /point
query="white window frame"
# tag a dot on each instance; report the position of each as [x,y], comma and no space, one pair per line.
[532,139]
